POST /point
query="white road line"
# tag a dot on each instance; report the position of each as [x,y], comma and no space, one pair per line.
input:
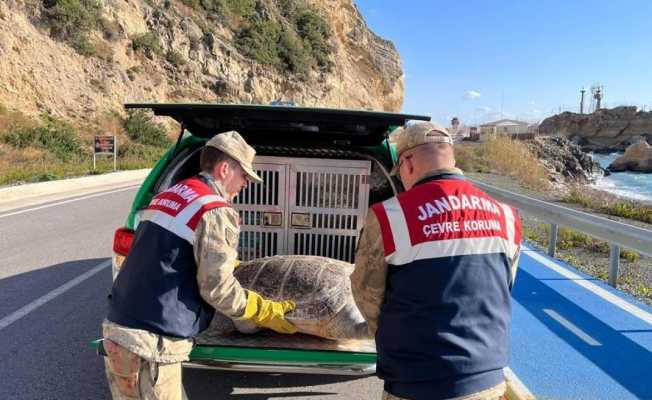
[572,327]
[597,290]
[20,313]
[69,201]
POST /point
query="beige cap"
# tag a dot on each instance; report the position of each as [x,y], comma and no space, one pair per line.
[232,144]
[417,134]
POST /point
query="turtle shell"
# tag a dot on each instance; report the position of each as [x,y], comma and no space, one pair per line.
[319,286]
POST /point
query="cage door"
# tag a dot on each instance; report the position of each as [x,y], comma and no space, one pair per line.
[262,210]
[327,206]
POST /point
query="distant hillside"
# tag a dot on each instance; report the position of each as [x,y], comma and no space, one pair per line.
[604,130]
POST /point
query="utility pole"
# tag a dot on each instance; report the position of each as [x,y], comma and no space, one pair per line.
[582,101]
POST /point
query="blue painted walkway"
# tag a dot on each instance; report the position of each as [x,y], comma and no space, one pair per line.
[570,343]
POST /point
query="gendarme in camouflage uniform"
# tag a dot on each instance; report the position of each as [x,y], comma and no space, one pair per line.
[175,276]
[433,271]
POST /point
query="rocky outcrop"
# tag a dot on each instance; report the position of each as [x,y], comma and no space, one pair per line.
[603,130]
[197,62]
[637,157]
[565,161]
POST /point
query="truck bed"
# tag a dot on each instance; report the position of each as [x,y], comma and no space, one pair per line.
[271,352]
[273,340]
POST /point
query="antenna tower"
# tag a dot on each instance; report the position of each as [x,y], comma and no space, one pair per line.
[597,94]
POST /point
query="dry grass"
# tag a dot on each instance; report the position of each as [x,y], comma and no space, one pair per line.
[512,158]
[503,156]
[9,119]
[24,161]
[31,165]
[570,239]
[469,158]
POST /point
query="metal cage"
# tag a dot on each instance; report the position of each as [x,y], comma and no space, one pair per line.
[303,206]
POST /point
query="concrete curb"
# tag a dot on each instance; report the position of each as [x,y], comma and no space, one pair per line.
[20,196]
[516,390]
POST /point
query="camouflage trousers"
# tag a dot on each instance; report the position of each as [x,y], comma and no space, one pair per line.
[495,393]
[134,378]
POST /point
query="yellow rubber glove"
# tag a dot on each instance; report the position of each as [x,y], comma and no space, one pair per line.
[267,313]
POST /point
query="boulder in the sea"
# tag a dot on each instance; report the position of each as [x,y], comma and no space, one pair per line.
[637,157]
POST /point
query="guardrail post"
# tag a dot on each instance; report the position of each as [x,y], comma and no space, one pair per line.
[614,264]
[552,243]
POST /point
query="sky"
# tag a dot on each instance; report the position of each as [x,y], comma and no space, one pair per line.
[524,59]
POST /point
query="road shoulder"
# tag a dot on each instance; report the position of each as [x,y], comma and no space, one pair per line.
[16,197]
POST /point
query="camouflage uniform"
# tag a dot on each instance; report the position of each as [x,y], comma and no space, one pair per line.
[368,286]
[145,365]
[368,277]
[495,393]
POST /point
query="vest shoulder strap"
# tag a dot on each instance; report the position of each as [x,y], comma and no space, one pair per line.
[180,208]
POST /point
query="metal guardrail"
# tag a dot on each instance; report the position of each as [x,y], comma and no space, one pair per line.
[615,233]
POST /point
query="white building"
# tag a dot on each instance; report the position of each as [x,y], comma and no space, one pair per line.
[506,127]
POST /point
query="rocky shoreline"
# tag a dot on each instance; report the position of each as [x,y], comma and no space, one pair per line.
[621,129]
[566,161]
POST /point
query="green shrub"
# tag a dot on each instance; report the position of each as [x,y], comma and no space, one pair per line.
[609,205]
[239,8]
[83,46]
[175,58]
[293,54]
[69,18]
[194,4]
[297,43]
[259,40]
[139,151]
[139,127]
[630,255]
[568,239]
[630,210]
[53,135]
[148,42]
[315,32]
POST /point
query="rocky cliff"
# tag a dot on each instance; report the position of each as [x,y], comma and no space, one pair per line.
[80,58]
[603,130]
[565,161]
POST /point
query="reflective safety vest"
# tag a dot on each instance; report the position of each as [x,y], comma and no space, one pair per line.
[156,289]
[444,323]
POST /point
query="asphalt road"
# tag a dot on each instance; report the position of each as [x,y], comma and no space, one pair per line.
[54,277]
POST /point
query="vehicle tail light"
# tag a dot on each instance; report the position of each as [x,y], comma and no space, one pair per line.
[122,241]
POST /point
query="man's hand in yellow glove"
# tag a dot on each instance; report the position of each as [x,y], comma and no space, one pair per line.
[267,313]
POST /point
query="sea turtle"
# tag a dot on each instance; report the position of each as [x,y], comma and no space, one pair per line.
[319,286]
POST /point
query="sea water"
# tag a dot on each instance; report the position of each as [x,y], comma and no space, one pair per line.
[633,185]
